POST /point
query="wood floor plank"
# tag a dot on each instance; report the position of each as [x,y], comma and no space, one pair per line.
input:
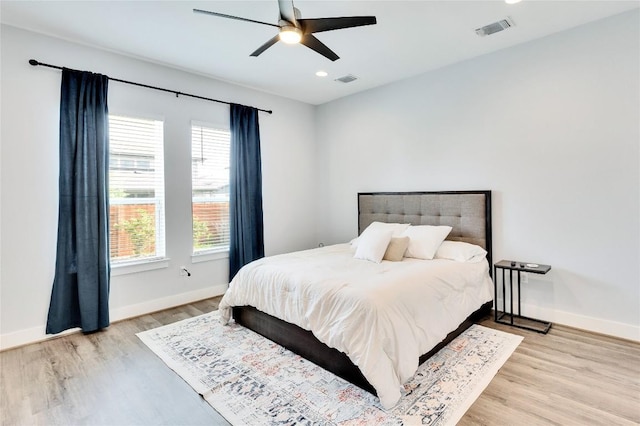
[567,377]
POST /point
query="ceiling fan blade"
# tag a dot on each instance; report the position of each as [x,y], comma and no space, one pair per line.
[265,46]
[327,24]
[287,11]
[313,43]
[222,15]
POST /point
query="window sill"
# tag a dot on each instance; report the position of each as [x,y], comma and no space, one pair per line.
[209,256]
[139,266]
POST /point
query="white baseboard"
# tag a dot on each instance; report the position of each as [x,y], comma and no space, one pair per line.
[155,305]
[596,325]
[38,334]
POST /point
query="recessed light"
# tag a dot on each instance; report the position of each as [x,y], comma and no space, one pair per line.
[512,1]
[322,73]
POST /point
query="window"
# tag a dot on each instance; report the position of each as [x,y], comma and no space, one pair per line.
[210,188]
[136,189]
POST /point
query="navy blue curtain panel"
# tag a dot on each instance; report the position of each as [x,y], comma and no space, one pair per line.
[80,294]
[245,192]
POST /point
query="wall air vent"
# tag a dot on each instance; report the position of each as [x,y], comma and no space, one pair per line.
[347,78]
[495,27]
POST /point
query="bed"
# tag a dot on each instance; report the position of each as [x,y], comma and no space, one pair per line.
[377,350]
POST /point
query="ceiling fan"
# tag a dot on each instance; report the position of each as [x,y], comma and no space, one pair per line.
[293,29]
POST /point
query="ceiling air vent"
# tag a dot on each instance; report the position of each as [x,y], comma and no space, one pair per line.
[496,27]
[347,78]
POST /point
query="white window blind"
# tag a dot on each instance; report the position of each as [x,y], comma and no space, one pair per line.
[210,188]
[136,189]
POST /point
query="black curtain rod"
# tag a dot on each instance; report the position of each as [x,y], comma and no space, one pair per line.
[36,63]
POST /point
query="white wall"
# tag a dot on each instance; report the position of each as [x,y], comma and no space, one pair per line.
[29,176]
[551,127]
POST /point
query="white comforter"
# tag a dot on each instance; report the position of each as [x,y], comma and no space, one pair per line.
[383,316]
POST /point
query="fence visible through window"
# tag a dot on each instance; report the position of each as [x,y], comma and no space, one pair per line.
[134,227]
[210,224]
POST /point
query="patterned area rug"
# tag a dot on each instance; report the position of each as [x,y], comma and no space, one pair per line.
[252,381]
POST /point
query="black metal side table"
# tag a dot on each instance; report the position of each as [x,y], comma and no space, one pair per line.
[517,320]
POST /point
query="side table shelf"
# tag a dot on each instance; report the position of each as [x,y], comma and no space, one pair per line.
[510,318]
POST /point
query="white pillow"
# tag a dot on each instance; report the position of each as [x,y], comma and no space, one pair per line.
[373,244]
[398,229]
[460,251]
[425,240]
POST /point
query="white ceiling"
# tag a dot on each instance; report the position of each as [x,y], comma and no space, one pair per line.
[411,37]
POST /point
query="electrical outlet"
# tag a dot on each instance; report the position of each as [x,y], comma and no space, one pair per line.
[524,277]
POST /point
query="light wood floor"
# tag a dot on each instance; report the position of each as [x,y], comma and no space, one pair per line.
[567,377]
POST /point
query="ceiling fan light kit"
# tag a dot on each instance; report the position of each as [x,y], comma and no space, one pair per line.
[290,34]
[293,29]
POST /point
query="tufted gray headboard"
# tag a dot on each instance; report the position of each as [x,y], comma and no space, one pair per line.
[467,212]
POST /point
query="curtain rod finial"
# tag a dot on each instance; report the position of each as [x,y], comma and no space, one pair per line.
[34,62]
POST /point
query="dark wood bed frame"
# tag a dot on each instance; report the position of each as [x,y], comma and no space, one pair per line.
[305,344]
